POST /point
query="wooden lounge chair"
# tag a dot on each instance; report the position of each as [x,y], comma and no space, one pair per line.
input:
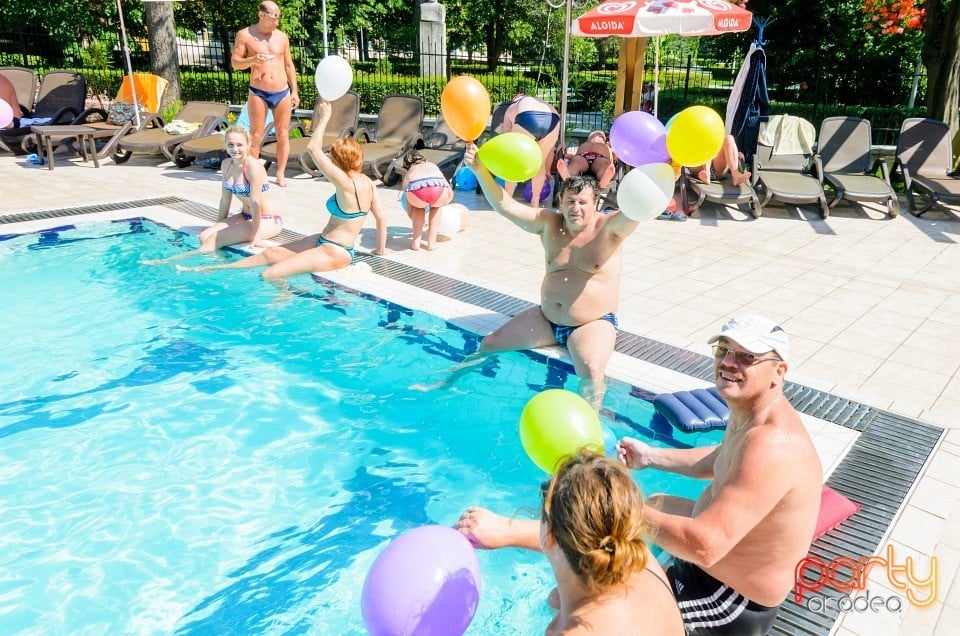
[149,93]
[442,147]
[343,123]
[844,148]
[152,137]
[25,82]
[397,131]
[781,171]
[61,98]
[924,157]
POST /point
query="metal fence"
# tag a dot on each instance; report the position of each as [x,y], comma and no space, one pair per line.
[205,74]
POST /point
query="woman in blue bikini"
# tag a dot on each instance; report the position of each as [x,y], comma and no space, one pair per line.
[355,197]
[245,178]
[540,120]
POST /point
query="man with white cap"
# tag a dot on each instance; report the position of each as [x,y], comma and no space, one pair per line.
[736,548]
[737,545]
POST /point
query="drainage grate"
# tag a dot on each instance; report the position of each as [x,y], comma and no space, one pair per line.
[878,471]
[89,209]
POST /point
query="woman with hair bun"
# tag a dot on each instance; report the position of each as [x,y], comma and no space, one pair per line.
[591,530]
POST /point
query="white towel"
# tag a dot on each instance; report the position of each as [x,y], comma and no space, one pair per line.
[789,135]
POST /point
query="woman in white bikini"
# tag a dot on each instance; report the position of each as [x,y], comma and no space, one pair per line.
[245,178]
[354,199]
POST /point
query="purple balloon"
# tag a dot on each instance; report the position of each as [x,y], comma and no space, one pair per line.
[544,191]
[639,138]
[426,581]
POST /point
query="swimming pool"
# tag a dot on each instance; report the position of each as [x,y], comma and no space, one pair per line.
[185,453]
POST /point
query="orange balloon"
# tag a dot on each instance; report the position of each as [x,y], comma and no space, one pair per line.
[465,105]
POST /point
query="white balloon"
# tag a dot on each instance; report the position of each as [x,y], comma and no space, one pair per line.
[661,174]
[333,77]
[451,220]
[639,197]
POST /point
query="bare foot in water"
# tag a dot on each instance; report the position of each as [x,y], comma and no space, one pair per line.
[742,177]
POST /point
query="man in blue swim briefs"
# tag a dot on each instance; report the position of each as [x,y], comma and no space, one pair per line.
[265,50]
[580,290]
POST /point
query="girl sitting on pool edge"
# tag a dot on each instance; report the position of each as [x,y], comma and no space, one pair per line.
[245,178]
[355,197]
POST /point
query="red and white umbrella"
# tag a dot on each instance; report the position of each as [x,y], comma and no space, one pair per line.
[648,18]
[652,18]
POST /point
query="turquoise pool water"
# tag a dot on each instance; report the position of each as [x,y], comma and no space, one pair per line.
[180,453]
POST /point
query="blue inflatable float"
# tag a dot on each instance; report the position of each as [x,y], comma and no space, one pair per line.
[693,411]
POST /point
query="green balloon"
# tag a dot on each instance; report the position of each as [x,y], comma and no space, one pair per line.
[511,156]
[555,424]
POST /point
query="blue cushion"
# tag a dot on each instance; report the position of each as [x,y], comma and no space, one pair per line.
[693,411]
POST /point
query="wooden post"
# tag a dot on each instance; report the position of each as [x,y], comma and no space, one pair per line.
[630,75]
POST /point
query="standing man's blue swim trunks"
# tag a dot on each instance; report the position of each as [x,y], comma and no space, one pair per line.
[562,332]
[272,98]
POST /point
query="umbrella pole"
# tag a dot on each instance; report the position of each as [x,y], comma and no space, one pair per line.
[565,77]
[126,53]
[656,75]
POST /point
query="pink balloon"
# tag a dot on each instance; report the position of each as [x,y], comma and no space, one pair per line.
[639,138]
[6,114]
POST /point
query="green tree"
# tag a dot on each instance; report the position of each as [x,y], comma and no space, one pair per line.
[163,47]
[941,57]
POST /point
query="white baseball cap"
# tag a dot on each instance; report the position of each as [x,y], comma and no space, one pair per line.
[756,334]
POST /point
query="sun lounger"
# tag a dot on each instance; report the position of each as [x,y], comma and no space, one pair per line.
[206,116]
[343,123]
[25,82]
[721,191]
[397,131]
[844,148]
[442,147]
[61,98]
[108,130]
[924,158]
[781,167]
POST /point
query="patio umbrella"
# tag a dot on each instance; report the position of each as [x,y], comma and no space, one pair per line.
[652,18]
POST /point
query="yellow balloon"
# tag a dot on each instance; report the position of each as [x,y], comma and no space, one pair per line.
[555,424]
[511,156]
[695,136]
[465,105]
